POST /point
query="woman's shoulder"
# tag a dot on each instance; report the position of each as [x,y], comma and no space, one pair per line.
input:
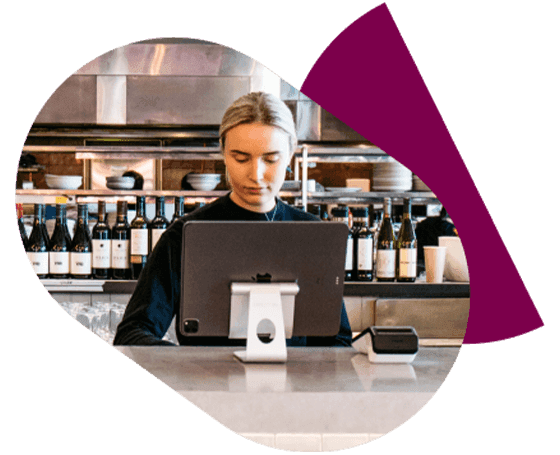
[212,211]
[295,214]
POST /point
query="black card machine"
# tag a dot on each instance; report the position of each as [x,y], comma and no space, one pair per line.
[387,344]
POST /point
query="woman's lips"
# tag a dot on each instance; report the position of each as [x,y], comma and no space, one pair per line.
[255,190]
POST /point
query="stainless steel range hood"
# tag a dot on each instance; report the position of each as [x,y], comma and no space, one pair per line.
[157,83]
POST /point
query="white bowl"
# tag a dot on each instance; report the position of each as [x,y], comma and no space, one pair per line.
[455,260]
[203,186]
[65,182]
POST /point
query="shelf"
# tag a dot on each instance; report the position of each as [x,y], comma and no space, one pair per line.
[131,152]
[312,196]
[109,193]
[420,289]
[338,150]
[378,196]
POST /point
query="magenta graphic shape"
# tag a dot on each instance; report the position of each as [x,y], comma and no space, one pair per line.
[368,79]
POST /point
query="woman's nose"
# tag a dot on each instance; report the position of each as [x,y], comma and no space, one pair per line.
[258,169]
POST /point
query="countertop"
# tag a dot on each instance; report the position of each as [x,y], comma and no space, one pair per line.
[318,390]
[419,289]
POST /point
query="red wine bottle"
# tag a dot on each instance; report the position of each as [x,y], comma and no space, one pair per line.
[44,224]
[120,244]
[101,245]
[159,224]
[37,245]
[21,226]
[179,208]
[386,254]
[139,238]
[406,247]
[59,247]
[80,250]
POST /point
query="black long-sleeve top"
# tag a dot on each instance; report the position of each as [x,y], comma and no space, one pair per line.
[156,298]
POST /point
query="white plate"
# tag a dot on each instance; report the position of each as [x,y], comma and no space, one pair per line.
[344,189]
[119,186]
[391,188]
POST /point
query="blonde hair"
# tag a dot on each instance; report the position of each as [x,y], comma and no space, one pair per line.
[259,107]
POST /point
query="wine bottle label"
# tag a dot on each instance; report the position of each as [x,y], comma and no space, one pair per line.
[386,262]
[39,262]
[156,234]
[407,263]
[80,263]
[139,241]
[59,262]
[120,254]
[365,254]
[349,254]
[137,259]
[101,254]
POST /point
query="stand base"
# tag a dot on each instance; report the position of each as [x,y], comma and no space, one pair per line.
[265,305]
[243,357]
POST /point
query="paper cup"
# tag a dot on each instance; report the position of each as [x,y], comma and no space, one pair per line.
[434,258]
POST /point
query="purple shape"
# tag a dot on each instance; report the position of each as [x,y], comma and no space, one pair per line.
[368,79]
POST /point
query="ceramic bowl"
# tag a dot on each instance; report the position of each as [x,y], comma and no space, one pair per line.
[64,182]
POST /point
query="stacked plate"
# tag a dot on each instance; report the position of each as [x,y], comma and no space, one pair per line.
[419,185]
[204,182]
[391,176]
[120,183]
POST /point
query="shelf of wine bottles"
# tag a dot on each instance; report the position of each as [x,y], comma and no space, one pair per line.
[105,252]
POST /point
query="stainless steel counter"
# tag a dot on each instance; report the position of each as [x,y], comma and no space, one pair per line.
[318,390]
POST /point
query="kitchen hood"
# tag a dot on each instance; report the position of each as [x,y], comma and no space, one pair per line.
[157,83]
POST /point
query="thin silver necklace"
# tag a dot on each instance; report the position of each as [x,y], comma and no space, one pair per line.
[273,213]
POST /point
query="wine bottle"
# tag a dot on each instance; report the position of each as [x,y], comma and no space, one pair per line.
[44,224]
[139,238]
[37,245]
[80,250]
[59,246]
[386,254]
[120,244]
[340,215]
[21,226]
[406,247]
[101,245]
[363,245]
[159,224]
[179,208]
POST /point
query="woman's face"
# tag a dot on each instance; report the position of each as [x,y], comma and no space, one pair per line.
[256,157]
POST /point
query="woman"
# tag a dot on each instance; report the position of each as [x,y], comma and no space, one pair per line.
[258,139]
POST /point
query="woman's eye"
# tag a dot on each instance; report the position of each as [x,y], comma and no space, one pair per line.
[272,159]
[240,158]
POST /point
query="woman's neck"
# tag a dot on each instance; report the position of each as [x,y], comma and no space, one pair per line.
[257,209]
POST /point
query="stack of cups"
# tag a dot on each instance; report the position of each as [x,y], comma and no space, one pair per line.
[434,258]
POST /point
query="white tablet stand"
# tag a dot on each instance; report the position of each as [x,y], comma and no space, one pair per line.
[270,305]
